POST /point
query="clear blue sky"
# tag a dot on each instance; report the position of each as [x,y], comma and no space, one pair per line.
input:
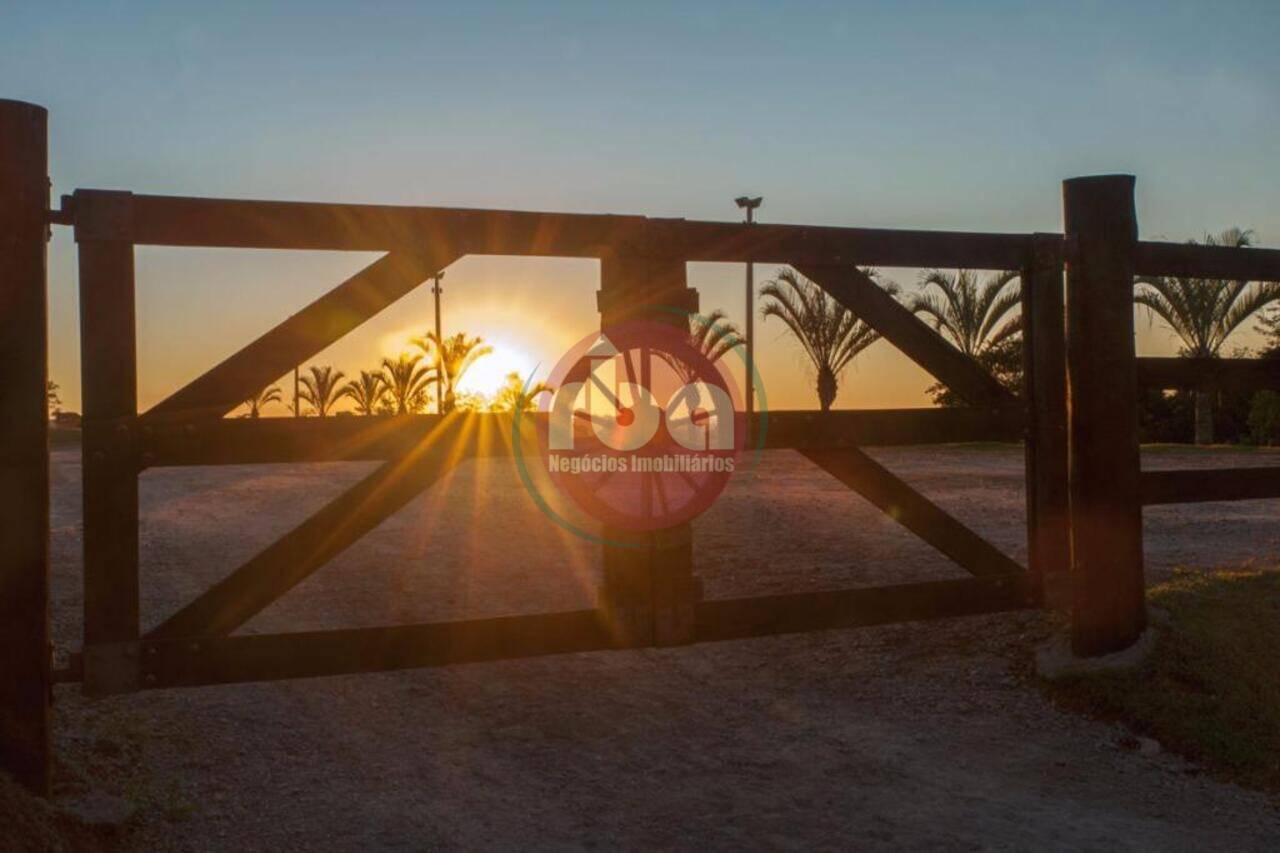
[962,115]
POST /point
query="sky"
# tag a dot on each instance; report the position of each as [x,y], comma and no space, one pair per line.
[963,116]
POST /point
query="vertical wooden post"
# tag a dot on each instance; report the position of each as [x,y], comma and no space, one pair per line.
[108,373]
[1106,512]
[25,677]
[649,590]
[1044,359]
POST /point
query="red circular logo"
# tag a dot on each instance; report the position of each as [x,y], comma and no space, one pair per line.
[643,429]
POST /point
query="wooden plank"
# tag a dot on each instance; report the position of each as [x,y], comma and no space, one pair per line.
[236,223]
[108,370]
[26,683]
[267,657]
[1201,485]
[737,618]
[860,294]
[304,334]
[1192,261]
[887,427]
[1237,374]
[1044,357]
[252,441]
[1106,509]
[913,511]
[299,553]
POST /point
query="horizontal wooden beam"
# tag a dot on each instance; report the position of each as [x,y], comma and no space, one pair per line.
[1202,485]
[914,511]
[233,223]
[268,657]
[736,618]
[858,292]
[171,441]
[305,334]
[1194,261]
[344,438]
[1243,374]
[889,427]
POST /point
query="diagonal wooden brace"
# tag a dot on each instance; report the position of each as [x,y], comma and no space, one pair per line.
[856,291]
[299,553]
[306,333]
[914,511]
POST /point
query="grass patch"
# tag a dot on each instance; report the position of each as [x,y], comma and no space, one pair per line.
[1210,690]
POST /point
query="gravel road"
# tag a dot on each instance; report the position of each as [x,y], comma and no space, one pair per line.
[922,735]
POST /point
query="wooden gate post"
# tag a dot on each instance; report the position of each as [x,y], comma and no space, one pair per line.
[1101,228]
[649,590]
[108,375]
[1044,358]
[25,652]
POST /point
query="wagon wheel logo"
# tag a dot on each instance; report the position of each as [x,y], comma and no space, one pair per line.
[643,430]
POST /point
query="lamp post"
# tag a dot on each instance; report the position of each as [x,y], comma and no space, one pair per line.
[436,290]
[749,205]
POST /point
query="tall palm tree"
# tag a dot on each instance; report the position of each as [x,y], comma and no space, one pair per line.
[975,316]
[514,397]
[257,402]
[1203,313]
[406,381]
[452,357]
[321,388]
[712,335]
[830,334]
[368,393]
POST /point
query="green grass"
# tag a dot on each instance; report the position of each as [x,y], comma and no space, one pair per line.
[1210,690]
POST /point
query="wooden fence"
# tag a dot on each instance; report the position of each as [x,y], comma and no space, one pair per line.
[1077,417]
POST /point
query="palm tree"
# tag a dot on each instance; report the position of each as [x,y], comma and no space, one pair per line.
[406,383]
[831,335]
[321,388]
[975,316]
[258,401]
[713,336]
[368,393]
[1203,313]
[453,357]
[514,397]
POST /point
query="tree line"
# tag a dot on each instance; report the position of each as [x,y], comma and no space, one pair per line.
[410,383]
[982,318]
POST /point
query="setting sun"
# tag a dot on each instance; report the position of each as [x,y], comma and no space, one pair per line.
[488,374]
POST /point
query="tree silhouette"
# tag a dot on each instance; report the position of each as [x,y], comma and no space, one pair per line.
[1204,312]
[830,334]
[513,397]
[975,316]
[368,393]
[406,381]
[257,402]
[451,358]
[320,388]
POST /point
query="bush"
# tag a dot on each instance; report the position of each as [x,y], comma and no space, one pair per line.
[1264,418]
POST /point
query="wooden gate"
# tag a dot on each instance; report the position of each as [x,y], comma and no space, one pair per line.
[1088,511]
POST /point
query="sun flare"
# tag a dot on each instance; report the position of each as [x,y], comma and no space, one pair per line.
[489,373]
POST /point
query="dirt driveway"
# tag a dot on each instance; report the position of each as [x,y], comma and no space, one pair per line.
[924,735]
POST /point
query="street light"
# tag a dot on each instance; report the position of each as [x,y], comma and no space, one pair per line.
[436,290]
[750,204]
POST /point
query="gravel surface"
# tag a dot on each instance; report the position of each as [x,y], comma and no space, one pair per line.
[925,735]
